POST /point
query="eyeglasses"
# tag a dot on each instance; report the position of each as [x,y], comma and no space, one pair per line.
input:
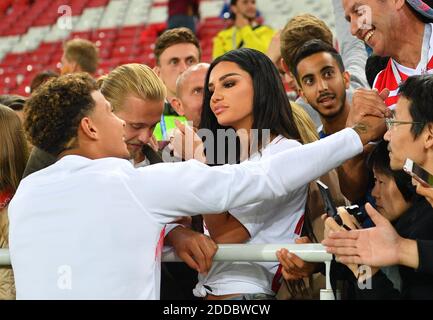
[390,123]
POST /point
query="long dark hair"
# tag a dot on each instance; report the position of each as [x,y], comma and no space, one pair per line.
[271,107]
[271,110]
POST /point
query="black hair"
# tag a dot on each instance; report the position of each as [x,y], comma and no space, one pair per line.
[419,91]
[271,107]
[232,14]
[373,66]
[41,78]
[379,160]
[271,110]
[13,101]
[312,47]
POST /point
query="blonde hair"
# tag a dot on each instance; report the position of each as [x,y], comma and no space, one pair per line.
[305,125]
[13,149]
[84,53]
[299,30]
[133,79]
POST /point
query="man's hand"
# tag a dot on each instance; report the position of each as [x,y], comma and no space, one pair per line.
[186,144]
[194,248]
[426,192]
[293,267]
[368,103]
[367,114]
[378,246]
[332,226]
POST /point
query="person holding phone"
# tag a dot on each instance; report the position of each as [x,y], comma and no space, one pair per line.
[396,200]
[421,178]
[412,217]
[410,135]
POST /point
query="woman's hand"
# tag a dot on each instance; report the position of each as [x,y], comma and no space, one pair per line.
[186,144]
[293,267]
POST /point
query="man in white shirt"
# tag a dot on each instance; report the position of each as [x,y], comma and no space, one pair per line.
[401,30]
[91,226]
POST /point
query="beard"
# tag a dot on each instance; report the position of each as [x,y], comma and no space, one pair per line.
[335,114]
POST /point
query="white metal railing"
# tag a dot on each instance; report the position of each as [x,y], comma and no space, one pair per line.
[312,252]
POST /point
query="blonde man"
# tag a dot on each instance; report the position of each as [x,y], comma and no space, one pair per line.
[137,96]
[79,55]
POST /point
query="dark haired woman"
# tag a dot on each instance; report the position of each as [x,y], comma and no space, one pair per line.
[244,94]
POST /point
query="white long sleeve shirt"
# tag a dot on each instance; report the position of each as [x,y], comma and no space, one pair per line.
[269,221]
[93,229]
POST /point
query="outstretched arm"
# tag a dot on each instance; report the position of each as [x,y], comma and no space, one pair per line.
[194,188]
[378,247]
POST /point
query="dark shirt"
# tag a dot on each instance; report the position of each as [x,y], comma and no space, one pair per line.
[38,160]
[183,7]
[425,251]
[417,224]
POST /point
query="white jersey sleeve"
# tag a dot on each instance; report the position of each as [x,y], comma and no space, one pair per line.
[254,216]
[171,190]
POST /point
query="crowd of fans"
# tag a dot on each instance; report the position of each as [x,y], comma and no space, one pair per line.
[191,155]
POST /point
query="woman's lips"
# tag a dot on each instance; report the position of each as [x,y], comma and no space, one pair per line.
[219,110]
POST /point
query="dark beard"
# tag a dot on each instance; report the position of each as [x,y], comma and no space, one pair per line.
[332,117]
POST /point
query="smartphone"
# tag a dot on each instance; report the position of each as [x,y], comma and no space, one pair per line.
[418,173]
[330,208]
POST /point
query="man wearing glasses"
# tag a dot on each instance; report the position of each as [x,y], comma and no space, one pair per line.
[410,135]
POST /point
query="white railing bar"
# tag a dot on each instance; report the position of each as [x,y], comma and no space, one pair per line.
[313,252]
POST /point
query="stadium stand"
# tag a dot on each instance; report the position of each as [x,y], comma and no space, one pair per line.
[32,32]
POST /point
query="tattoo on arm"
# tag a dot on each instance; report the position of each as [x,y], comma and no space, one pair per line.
[360,128]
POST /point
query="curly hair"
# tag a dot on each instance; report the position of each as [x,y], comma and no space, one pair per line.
[53,113]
